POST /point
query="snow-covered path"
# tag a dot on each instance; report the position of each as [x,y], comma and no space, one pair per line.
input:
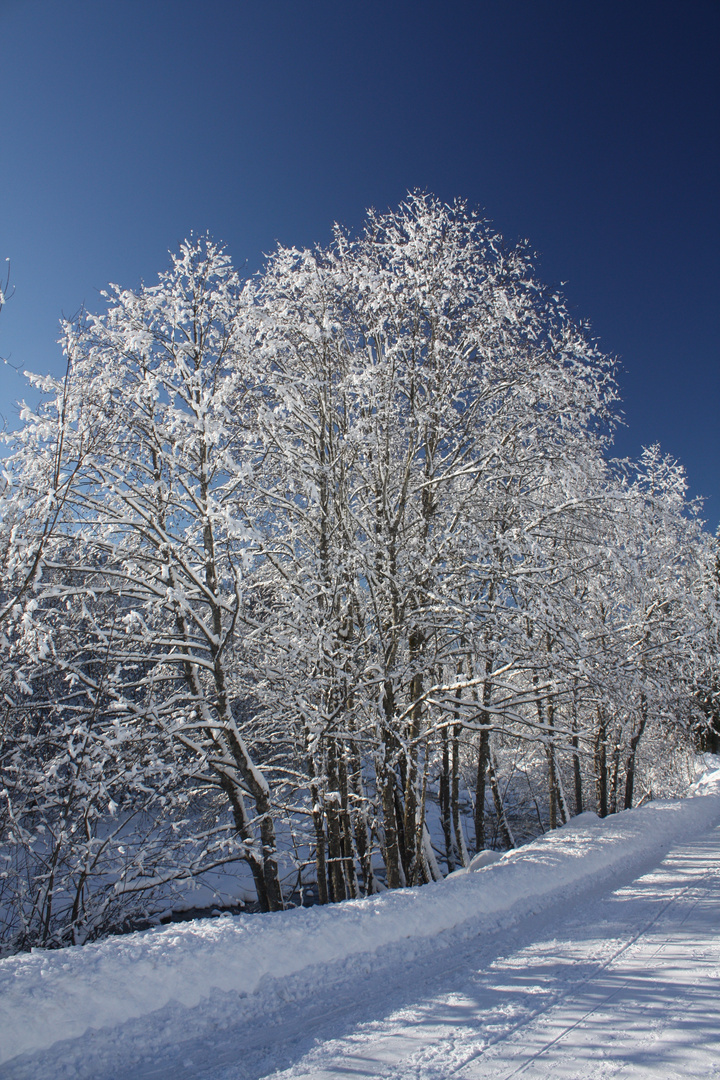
[532,967]
[628,987]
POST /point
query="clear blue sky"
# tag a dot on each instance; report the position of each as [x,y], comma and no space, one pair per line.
[589,127]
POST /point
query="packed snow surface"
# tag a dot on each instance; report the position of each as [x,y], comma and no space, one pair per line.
[209,998]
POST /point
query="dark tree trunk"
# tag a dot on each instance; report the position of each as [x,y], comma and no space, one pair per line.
[632,756]
[577,774]
[480,778]
[445,813]
[601,777]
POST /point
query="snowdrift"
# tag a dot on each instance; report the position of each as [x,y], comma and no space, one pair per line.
[50,996]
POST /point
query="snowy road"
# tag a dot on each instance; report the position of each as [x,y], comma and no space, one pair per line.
[583,983]
[629,987]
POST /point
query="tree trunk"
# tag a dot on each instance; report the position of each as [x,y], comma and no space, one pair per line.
[577,774]
[445,814]
[361,830]
[632,756]
[411,846]
[333,811]
[503,823]
[460,845]
[352,888]
[601,777]
[480,777]
[388,784]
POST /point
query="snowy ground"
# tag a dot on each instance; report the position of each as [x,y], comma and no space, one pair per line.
[594,952]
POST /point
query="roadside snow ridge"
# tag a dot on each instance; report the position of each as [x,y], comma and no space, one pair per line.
[47,996]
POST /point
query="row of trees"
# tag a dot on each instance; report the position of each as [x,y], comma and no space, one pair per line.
[293,566]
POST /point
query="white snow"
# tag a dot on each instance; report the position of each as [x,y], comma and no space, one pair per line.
[103,1010]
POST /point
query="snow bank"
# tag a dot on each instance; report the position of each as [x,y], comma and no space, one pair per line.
[49,996]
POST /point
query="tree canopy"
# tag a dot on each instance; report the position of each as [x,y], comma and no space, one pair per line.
[315,571]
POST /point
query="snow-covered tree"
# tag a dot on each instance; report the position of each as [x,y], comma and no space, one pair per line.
[338,548]
[430,414]
[154,445]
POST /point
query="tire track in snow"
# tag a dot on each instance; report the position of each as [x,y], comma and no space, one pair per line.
[605,965]
[368,1051]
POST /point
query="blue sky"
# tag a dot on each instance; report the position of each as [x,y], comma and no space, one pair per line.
[591,129]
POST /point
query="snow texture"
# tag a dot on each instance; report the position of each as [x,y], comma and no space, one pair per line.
[47,997]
